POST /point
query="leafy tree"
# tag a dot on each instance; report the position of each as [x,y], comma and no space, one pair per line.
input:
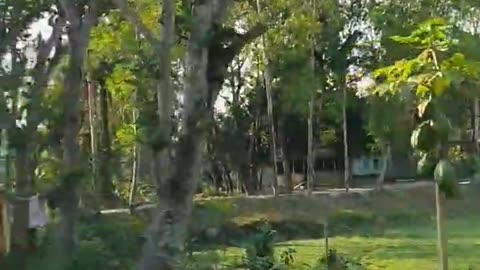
[434,76]
[22,101]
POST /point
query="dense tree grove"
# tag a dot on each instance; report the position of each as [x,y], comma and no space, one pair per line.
[125,104]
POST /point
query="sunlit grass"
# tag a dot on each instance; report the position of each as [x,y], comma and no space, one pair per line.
[400,248]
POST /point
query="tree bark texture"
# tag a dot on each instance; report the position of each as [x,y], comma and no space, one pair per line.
[164,247]
[91,97]
[385,163]
[165,93]
[79,38]
[105,184]
[310,154]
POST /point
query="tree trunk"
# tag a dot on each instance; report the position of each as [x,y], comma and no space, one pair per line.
[164,247]
[311,106]
[271,122]
[165,94]
[136,161]
[287,171]
[79,38]
[21,207]
[346,177]
[386,159]
[310,154]
[105,184]
[69,204]
[91,97]
[442,243]
[476,124]
[251,187]
[273,134]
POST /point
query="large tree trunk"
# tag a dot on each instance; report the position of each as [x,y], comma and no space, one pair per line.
[79,37]
[165,93]
[68,206]
[204,77]
[164,247]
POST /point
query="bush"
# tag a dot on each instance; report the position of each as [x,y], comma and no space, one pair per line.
[347,221]
[335,261]
[260,252]
[93,254]
[103,244]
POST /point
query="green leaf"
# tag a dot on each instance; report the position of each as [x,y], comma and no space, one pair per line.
[422,90]
[440,84]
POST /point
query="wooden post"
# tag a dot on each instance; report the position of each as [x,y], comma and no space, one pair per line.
[325,235]
[346,172]
[442,244]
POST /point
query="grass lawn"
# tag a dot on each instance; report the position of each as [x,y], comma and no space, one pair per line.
[401,248]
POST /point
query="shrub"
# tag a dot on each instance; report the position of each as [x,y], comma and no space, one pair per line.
[260,252]
[335,261]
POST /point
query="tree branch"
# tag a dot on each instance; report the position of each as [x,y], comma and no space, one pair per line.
[241,40]
[219,62]
[133,18]
[71,13]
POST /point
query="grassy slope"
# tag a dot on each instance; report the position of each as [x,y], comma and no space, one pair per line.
[401,248]
[407,248]
[391,243]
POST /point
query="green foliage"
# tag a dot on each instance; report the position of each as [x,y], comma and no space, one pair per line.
[204,261]
[385,122]
[328,137]
[104,244]
[47,171]
[92,255]
[426,165]
[125,137]
[429,34]
[423,137]
[287,257]
[446,178]
[335,261]
[432,75]
[260,252]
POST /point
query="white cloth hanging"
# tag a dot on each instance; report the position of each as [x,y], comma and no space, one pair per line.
[38,217]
